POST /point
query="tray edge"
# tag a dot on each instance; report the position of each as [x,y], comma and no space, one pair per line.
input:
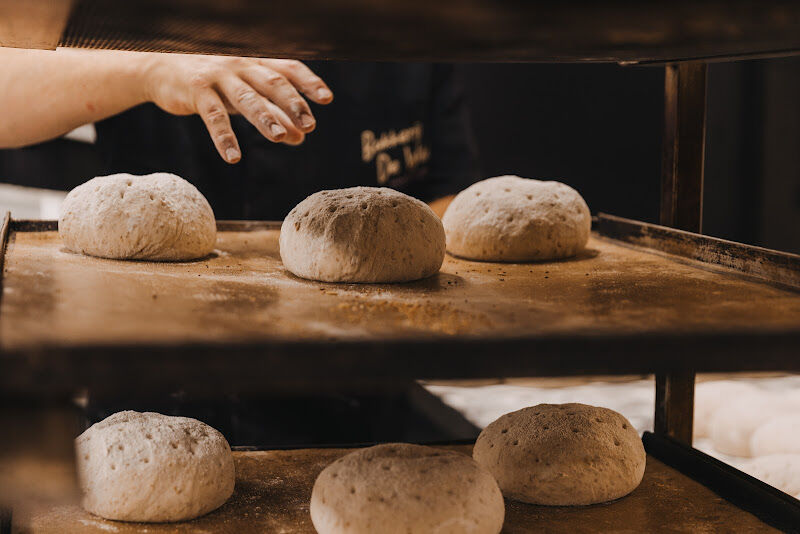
[773,266]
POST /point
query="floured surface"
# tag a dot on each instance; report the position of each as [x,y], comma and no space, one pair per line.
[273,489]
[242,292]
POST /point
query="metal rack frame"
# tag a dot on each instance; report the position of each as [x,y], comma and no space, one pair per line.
[682,166]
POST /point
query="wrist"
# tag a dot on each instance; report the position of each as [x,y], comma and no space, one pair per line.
[146,67]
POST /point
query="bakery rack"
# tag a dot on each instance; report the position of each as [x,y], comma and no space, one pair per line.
[643,298]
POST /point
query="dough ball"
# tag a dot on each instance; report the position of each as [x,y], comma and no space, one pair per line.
[150,467]
[780,471]
[509,218]
[362,234]
[399,488]
[708,398]
[124,217]
[780,435]
[734,423]
[562,454]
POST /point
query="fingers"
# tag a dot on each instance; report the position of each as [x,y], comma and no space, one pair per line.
[301,77]
[212,110]
[282,93]
[266,93]
[254,107]
[293,135]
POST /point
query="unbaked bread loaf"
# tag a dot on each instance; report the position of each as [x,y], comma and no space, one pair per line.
[406,489]
[150,467]
[734,423]
[781,471]
[562,454]
[508,218]
[154,217]
[362,234]
[710,396]
[778,435]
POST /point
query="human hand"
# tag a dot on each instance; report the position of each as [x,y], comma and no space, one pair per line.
[265,91]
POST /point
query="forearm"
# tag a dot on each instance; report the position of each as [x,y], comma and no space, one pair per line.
[45,94]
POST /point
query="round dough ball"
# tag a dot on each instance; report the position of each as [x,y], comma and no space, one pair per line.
[515,219]
[124,217]
[779,435]
[362,234]
[780,471]
[733,424]
[150,467]
[710,396]
[562,454]
[399,488]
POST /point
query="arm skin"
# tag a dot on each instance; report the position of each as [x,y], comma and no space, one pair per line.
[45,94]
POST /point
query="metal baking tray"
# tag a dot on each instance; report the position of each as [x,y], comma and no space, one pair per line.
[413,30]
[273,489]
[641,298]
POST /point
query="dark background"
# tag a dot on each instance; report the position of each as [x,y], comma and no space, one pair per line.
[598,128]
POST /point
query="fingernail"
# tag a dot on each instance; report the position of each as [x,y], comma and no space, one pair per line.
[306,120]
[232,154]
[324,94]
[277,130]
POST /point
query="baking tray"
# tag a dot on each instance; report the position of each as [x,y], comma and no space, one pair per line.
[641,298]
[414,30]
[472,30]
[273,489]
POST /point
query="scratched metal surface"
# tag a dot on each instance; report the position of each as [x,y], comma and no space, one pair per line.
[52,297]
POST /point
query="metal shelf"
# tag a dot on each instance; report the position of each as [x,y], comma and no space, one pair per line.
[273,489]
[461,30]
[628,304]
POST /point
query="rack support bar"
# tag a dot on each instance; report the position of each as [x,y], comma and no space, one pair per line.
[675,405]
[683,153]
[682,163]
